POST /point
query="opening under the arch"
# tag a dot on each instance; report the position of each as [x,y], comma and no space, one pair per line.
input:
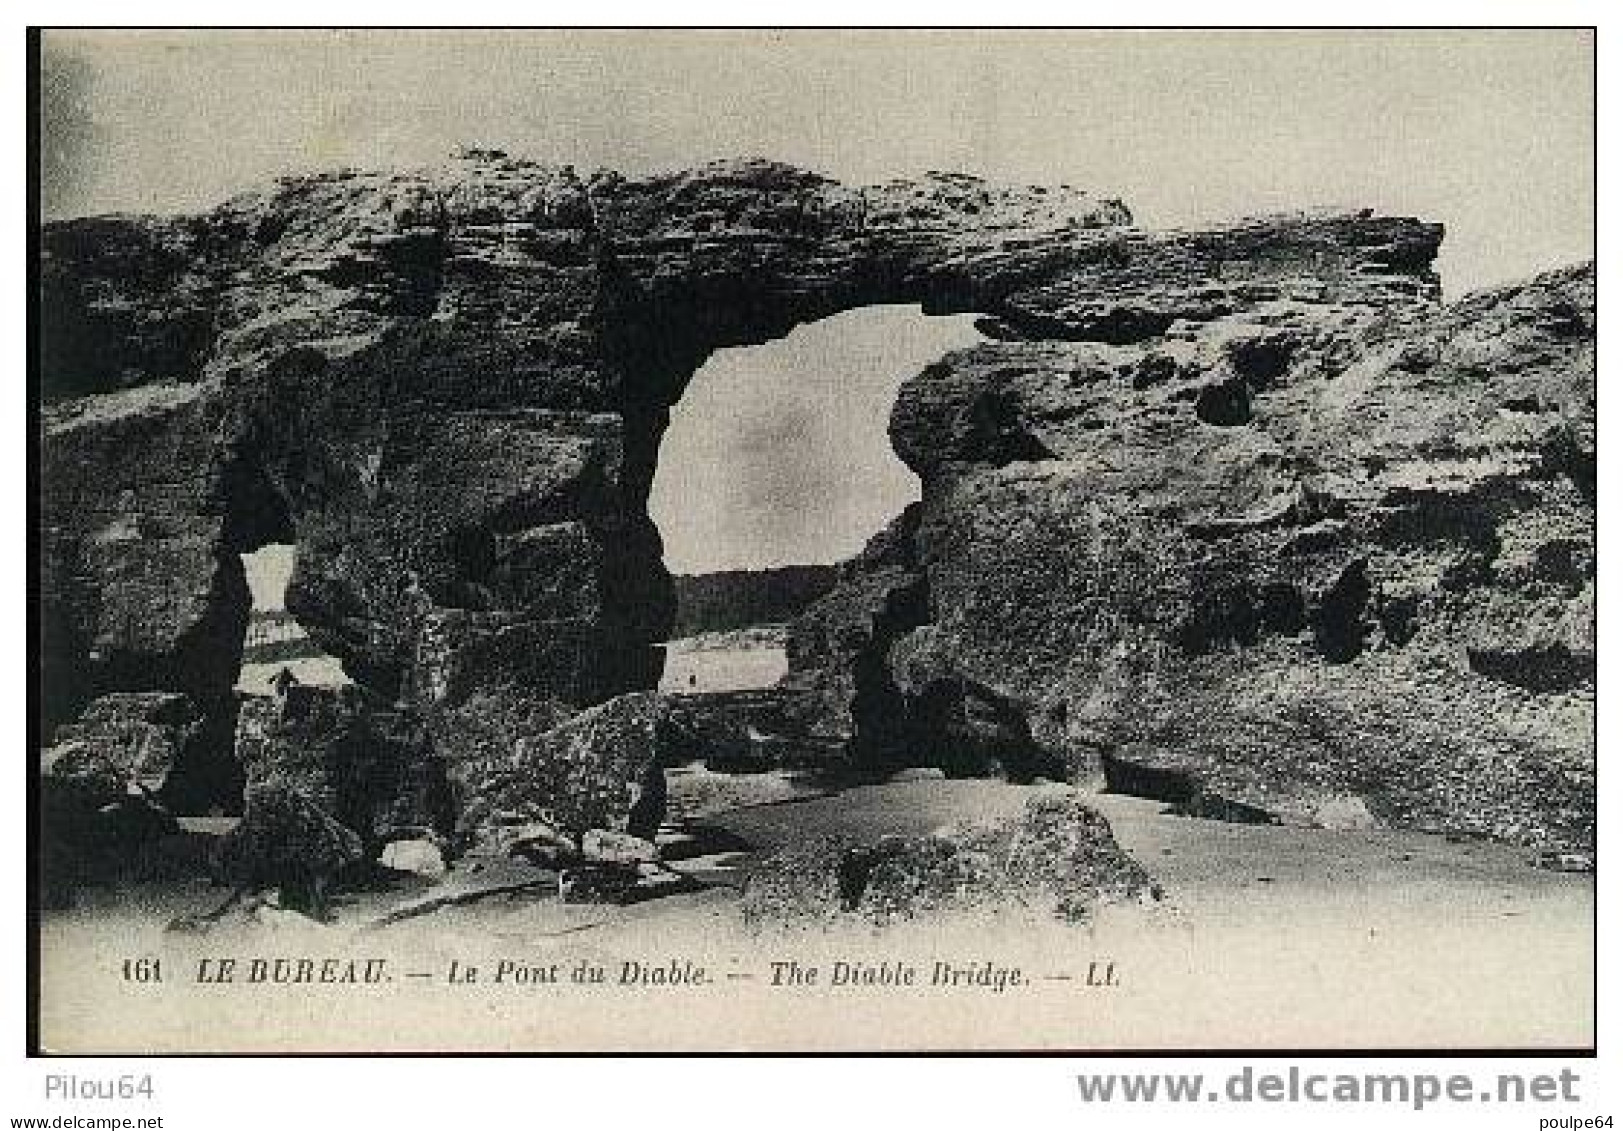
[777,464]
[779,454]
[274,639]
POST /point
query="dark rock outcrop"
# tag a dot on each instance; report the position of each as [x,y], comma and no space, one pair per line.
[1057,858]
[101,784]
[287,843]
[141,589]
[1378,586]
[125,742]
[600,771]
[845,701]
[364,766]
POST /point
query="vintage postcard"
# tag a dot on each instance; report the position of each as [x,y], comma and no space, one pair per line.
[814,540]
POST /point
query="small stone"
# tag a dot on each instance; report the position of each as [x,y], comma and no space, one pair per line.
[420,856]
[619,848]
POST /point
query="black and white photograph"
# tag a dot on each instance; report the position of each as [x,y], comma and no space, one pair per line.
[812,540]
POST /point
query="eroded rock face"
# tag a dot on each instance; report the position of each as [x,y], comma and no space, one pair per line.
[1373,585]
[1245,494]
[600,771]
[365,766]
[287,842]
[128,741]
[140,588]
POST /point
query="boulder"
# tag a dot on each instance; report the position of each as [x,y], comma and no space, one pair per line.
[600,770]
[126,741]
[743,731]
[420,856]
[339,750]
[1056,858]
[288,843]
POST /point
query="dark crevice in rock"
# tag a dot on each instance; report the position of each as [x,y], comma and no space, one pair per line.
[856,866]
[363,326]
[997,433]
[398,273]
[1399,617]
[1547,667]
[1222,616]
[1225,405]
[1180,788]
[1338,621]
[1264,360]
[206,655]
[1240,614]
[637,586]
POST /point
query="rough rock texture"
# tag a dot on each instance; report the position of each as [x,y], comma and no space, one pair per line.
[447,388]
[599,771]
[846,703]
[289,843]
[1057,857]
[420,856]
[140,589]
[361,765]
[845,700]
[745,598]
[126,741]
[100,785]
[1306,556]
[754,729]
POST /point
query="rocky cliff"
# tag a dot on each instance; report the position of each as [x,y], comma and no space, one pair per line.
[1194,467]
[1302,561]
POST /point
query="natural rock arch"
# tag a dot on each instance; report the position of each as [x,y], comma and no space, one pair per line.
[449,387]
[377,341]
